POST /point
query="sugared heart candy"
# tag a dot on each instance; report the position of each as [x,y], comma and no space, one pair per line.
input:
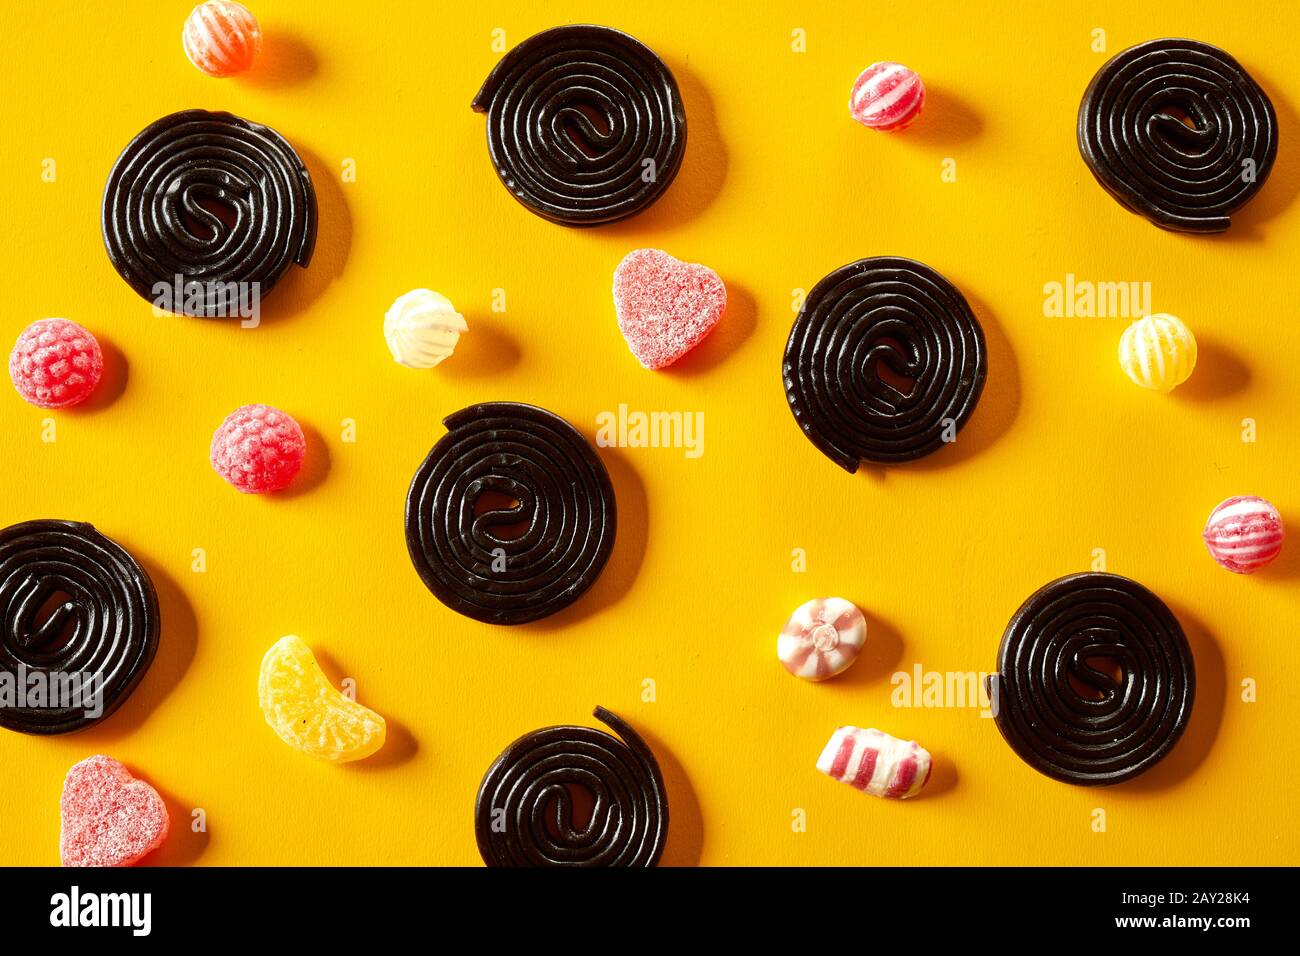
[109,817]
[665,306]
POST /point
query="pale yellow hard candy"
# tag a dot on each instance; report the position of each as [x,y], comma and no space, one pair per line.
[422,328]
[308,713]
[1158,352]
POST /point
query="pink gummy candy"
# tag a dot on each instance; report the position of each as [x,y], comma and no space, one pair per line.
[665,306]
[109,817]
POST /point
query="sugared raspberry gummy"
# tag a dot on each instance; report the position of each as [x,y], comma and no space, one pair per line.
[56,363]
[258,448]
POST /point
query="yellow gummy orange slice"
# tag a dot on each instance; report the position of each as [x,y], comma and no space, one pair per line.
[308,713]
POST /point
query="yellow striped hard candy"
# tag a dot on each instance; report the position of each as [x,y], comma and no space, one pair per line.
[1158,352]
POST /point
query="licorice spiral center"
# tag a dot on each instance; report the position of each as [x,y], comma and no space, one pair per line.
[78,622]
[525,813]
[885,362]
[1056,700]
[585,124]
[1179,132]
[473,558]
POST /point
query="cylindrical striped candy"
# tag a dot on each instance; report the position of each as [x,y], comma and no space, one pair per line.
[1158,352]
[822,638]
[876,763]
[221,37]
[887,96]
[1244,534]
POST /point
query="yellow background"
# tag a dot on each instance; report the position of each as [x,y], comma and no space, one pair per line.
[779,186]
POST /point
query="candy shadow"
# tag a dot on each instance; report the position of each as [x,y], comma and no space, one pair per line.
[285,60]
[315,465]
[116,372]
[994,413]
[943,779]
[1219,373]
[1283,184]
[486,349]
[879,657]
[183,846]
[625,560]
[733,329]
[299,288]
[178,637]
[945,120]
[1207,714]
[400,744]
[702,173]
[685,843]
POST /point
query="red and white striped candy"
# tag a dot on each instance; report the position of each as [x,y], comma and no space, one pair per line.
[876,763]
[221,37]
[887,96]
[822,638]
[1244,534]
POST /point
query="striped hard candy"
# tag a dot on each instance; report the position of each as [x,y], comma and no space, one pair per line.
[822,638]
[1244,534]
[1158,352]
[876,763]
[887,96]
[221,37]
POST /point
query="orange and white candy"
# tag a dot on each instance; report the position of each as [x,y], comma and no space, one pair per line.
[822,638]
[221,37]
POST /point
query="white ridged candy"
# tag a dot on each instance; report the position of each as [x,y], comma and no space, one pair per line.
[422,328]
[1158,352]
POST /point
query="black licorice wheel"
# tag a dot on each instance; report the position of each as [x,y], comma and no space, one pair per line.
[524,814]
[904,316]
[97,642]
[1178,132]
[474,559]
[1056,698]
[585,124]
[209,200]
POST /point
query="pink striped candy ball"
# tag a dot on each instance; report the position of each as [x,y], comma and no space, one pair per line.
[887,96]
[1244,534]
[822,638]
[221,37]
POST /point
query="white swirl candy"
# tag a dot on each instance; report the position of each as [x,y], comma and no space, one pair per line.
[422,328]
[822,638]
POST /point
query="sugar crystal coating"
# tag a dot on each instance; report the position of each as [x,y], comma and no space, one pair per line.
[109,818]
[258,448]
[56,363]
[310,714]
[665,307]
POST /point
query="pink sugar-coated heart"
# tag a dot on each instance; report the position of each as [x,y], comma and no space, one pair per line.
[665,306]
[109,817]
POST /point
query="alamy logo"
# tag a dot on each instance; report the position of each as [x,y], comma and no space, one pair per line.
[211,299]
[23,689]
[1086,299]
[951,689]
[629,429]
[131,910]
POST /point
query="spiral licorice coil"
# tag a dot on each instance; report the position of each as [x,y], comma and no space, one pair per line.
[524,815]
[584,124]
[564,496]
[1073,720]
[106,628]
[910,318]
[161,216]
[1133,136]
